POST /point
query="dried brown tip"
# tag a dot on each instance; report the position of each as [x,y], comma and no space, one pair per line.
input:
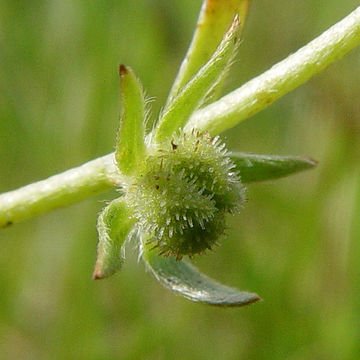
[123,70]
[97,277]
[97,274]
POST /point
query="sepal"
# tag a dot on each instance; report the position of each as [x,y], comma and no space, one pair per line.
[187,281]
[177,112]
[215,18]
[252,167]
[130,145]
[114,226]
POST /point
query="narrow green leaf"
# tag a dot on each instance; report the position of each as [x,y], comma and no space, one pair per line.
[178,111]
[187,281]
[266,167]
[114,225]
[215,18]
[130,146]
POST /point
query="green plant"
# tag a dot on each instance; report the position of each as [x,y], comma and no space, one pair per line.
[140,162]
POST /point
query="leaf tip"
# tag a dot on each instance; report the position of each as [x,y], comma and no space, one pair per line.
[312,162]
[307,163]
[255,298]
[236,20]
[98,274]
[250,298]
[123,70]
[234,26]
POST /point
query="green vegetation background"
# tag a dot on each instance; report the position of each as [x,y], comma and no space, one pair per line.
[297,242]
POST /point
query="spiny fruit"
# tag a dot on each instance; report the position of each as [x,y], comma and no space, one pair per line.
[182,193]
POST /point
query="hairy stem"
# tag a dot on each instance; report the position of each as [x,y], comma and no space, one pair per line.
[101,174]
[60,190]
[283,77]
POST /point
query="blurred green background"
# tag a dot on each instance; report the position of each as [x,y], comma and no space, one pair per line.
[297,242]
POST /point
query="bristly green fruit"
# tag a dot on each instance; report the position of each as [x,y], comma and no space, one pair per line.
[182,193]
[178,183]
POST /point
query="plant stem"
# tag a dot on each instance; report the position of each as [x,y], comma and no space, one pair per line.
[101,174]
[60,190]
[285,76]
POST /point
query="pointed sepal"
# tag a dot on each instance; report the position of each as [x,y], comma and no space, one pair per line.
[114,226]
[252,167]
[130,146]
[177,112]
[215,18]
[186,280]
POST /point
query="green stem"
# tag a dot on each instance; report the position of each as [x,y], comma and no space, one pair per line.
[60,190]
[285,76]
[100,174]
